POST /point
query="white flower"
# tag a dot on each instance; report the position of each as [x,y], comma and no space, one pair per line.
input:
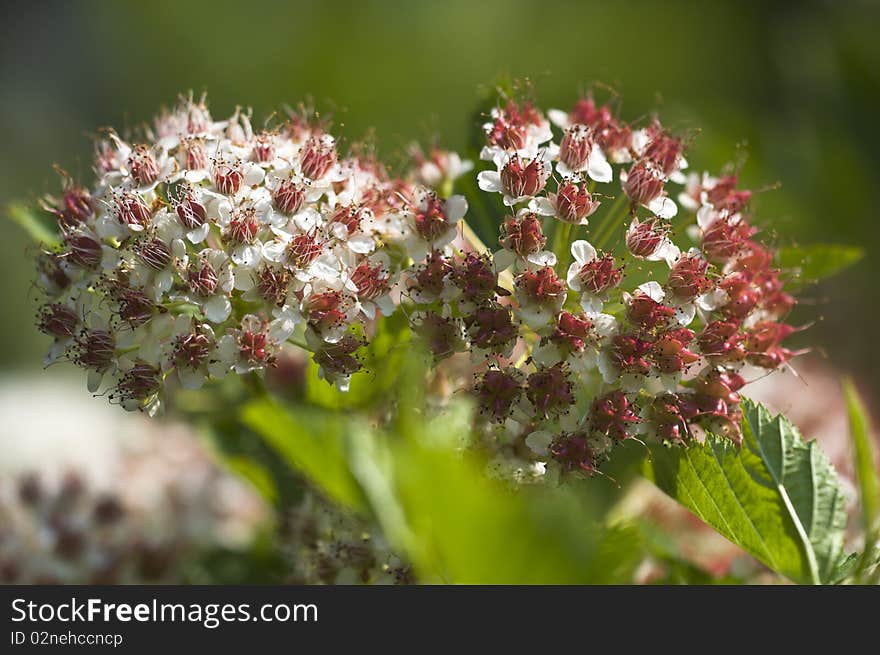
[661,205]
[584,253]
[666,250]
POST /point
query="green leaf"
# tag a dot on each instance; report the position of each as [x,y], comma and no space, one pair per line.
[486,211]
[439,506]
[40,230]
[312,441]
[865,466]
[251,471]
[777,497]
[467,528]
[813,263]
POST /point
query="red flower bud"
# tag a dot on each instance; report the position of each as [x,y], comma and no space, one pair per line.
[644,183]
[518,180]
[599,275]
[523,235]
[573,203]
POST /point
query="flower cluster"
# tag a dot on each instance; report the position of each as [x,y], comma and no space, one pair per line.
[622,334]
[627,298]
[328,545]
[204,246]
[169,505]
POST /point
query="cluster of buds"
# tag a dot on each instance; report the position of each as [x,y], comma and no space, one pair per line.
[327,545]
[169,506]
[617,333]
[205,246]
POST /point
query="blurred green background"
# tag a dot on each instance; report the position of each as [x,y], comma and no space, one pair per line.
[798,82]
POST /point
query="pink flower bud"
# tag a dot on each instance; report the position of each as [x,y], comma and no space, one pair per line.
[721,340]
[83,250]
[573,452]
[541,286]
[350,216]
[667,419]
[154,253]
[318,156]
[663,149]
[326,310]
[687,278]
[243,226]
[57,320]
[77,203]
[142,165]
[202,278]
[264,148]
[228,177]
[272,284]
[193,154]
[491,328]
[612,415]
[303,249]
[550,390]
[724,238]
[523,235]
[497,392]
[139,383]
[646,312]
[131,210]
[507,135]
[670,353]
[573,203]
[476,278]
[643,239]
[510,128]
[430,218]
[254,345]
[289,197]
[518,180]
[192,214]
[192,349]
[742,296]
[644,183]
[573,332]
[429,277]
[599,275]
[575,147]
[95,349]
[630,352]
[134,307]
[371,281]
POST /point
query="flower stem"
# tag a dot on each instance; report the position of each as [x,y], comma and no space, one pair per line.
[561,245]
[616,212]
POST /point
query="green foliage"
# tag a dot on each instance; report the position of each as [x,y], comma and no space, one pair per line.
[777,496]
[815,262]
[436,503]
[311,441]
[468,528]
[486,211]
[867,476]
[439,507]
[37,227]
